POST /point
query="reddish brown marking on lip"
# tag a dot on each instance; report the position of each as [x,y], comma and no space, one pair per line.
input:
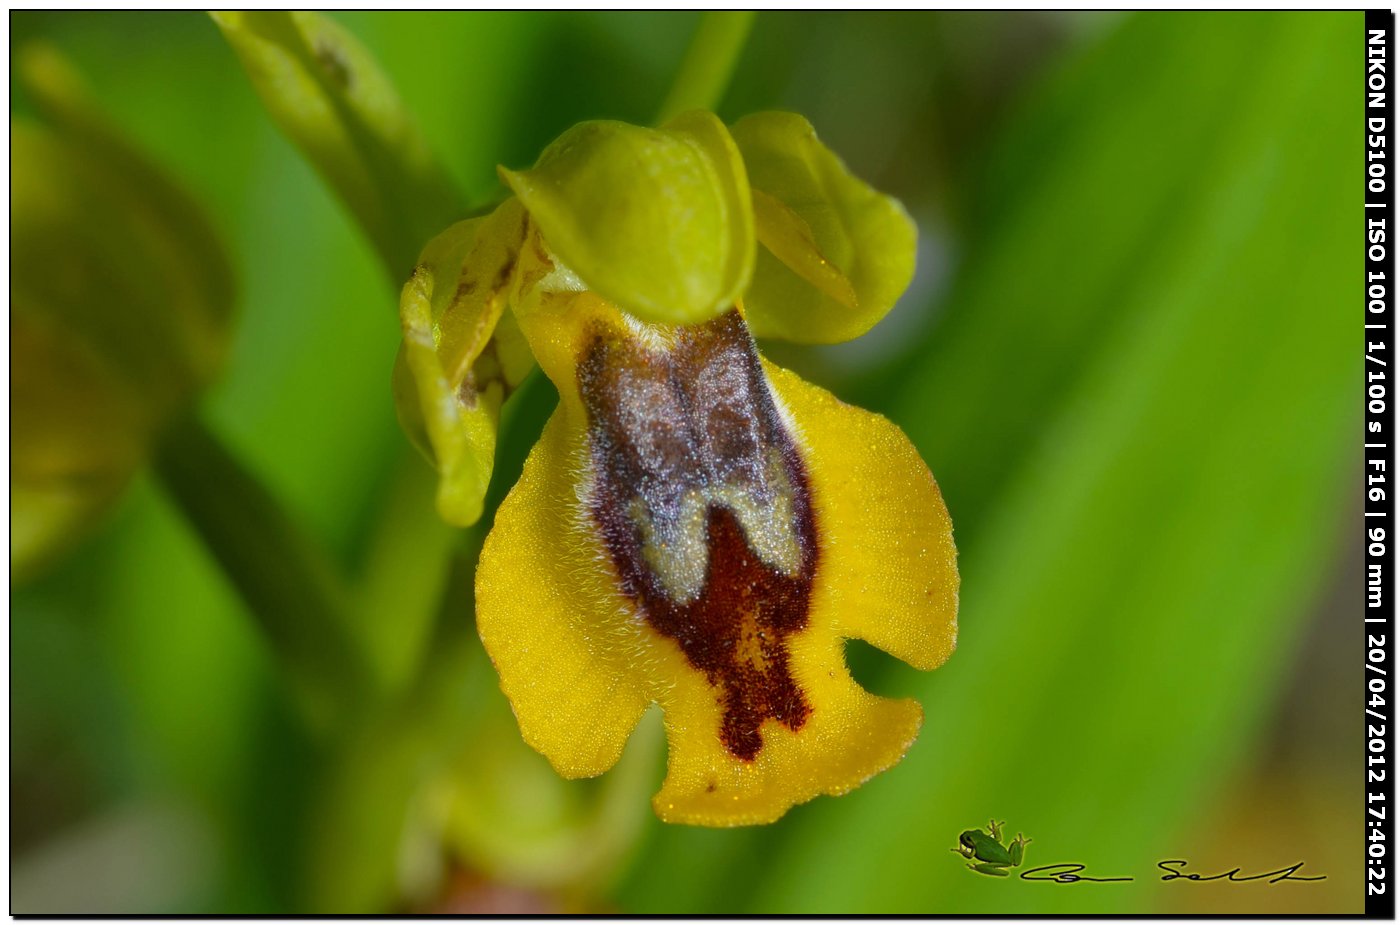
[663,424]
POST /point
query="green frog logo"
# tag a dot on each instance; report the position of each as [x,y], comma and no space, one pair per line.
[986,847]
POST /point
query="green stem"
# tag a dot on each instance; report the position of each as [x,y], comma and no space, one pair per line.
[404,572]
[291,588]
[708,63]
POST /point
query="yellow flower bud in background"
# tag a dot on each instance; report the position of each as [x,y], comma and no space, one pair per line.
[121,300]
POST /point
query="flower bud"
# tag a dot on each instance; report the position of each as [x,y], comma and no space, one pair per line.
[121,300]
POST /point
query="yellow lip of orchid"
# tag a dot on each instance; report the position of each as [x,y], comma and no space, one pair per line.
[696,527]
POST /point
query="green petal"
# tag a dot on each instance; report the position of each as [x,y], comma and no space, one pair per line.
[330,97]
[837,253]
[461,354]
[657,221]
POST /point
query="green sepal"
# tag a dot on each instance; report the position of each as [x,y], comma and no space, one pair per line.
[461,354]
[328,94]
[657,221]
[121,309]
[837,253]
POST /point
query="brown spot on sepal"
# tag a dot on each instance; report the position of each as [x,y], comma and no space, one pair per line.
[692,431]
[486,372]
[475,343]
[335,66]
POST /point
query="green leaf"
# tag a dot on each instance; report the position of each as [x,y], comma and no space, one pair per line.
[836,253]
[293,591]
[657,221]
[330,97]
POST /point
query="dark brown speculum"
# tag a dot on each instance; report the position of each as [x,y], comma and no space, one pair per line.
[704,505]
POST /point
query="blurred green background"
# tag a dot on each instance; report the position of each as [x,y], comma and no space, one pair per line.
[1128,358]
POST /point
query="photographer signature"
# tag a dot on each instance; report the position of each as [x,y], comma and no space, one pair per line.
[1175,870]
[989,855]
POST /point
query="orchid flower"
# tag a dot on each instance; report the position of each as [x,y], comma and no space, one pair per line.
[696,527]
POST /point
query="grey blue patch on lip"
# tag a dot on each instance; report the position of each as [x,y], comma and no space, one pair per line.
[703,502]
